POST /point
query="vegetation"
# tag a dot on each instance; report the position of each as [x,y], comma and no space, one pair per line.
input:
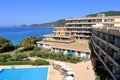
[58,23]
[16,63]
[61,22]
[5,45]
[40,62]
[56,56]
[27,43]
[22,56]
[30,42]
[20,59]
[108,13]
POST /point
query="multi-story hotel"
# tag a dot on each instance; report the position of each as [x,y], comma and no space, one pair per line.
[81,27]
[64,41]
[105,43]
[74,37]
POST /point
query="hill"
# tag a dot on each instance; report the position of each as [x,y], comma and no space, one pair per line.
[108,13]
[61,22]
[51,24]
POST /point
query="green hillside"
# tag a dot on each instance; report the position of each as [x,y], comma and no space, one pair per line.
[108,13]
[61,22]
[57,23]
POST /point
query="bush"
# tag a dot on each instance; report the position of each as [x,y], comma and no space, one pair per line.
[43,55]
[4,57]
[21,56]
[19,51]
[34,53]
[52,56]
[36,49]
[62,58]
[16,63]
[40,62]
[10,59]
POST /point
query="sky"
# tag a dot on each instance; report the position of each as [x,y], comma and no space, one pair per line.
[17,12]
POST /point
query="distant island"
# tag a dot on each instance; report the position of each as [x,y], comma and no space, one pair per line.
[61,22]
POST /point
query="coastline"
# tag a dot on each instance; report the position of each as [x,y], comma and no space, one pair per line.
[16,34]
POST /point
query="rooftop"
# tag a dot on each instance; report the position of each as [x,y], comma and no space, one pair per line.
[92,18]
[111,30]
[81,45]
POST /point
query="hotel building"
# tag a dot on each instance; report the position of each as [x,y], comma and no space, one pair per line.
[81,27]
[105,44]
[74,38]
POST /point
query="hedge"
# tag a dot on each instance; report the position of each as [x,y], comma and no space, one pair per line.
[16,63]
[40,62]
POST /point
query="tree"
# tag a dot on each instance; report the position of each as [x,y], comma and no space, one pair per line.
[27,43]
[21,56]
[30,42]
[5,45]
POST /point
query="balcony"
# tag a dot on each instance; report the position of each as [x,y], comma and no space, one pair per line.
[117,60]
[117,75]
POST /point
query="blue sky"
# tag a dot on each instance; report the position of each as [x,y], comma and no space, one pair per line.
[17,12]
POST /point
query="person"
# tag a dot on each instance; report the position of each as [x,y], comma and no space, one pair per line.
[87,67]
[12,67]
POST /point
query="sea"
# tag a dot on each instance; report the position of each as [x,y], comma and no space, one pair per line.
[16,34]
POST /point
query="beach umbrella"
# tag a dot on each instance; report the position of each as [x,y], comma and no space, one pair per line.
[61,64]
[69,78]
[56,62]
[68,69]
[70,72]
[64,67]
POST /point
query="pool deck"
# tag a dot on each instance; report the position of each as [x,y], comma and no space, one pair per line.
[80,70]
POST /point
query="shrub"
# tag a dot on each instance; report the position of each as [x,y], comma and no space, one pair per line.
[36,49]
[21,56]
[16,63]
[52,56]
[34,53]
[62,58]
[19,51]
[10,59]
[74,59]
[4,57]
[43,55]
[40,62]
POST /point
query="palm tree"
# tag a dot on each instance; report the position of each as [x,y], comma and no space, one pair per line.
[27,43]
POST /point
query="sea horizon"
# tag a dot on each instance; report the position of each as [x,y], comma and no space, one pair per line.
[16,34]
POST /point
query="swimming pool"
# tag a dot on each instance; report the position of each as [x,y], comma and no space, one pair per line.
[40,73]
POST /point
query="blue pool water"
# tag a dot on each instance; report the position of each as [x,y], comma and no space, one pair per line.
[16,34]
[24,74]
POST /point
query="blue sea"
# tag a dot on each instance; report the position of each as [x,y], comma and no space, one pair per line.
[16,34]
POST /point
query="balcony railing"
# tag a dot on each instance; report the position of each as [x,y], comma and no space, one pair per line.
[107,65]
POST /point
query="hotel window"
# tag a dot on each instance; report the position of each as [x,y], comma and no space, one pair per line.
[79,54]
[99,20]
[105,20]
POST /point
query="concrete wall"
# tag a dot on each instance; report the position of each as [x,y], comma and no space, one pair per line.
[117,20]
